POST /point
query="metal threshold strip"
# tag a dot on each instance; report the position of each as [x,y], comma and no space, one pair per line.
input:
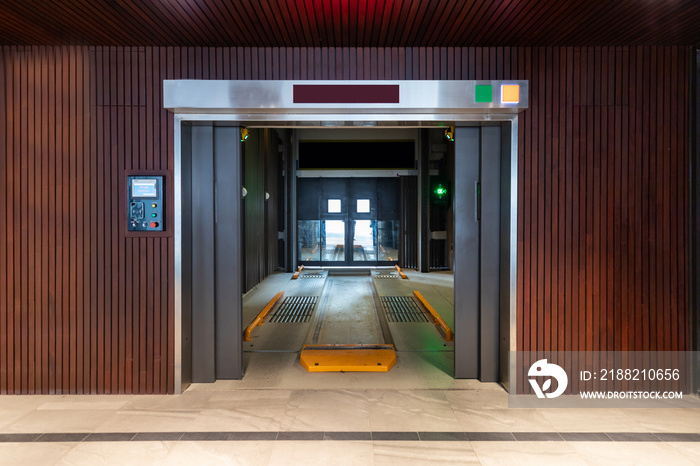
[348,358]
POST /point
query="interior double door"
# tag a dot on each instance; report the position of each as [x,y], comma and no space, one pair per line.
[348,221]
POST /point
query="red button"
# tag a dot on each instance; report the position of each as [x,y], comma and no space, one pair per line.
[154,224]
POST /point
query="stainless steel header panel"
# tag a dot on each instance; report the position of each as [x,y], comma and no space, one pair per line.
[254,99]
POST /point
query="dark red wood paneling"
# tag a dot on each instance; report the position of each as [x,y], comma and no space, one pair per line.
[349,23]
[73,119]
[620,277]
[602,197]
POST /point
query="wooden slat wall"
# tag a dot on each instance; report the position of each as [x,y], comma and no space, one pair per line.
[602,235]
[83,308]
[602,238]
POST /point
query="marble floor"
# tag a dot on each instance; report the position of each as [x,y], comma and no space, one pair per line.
[279,414]
[218,424]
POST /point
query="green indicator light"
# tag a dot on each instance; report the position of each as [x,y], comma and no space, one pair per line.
[440,191]
[154,215]
[440,194]
[483,93]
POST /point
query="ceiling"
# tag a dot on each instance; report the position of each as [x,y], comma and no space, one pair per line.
[350,23]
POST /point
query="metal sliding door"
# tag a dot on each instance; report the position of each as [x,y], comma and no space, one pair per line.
[477,206]
[215,310]
[348,221]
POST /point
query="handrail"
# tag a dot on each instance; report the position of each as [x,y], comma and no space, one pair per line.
[403,275]
[436,317]
[259,319]
[296,274]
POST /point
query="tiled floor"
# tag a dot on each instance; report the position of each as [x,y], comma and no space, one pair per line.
[279,414]
[218,425]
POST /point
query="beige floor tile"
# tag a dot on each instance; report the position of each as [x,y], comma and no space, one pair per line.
[423,453]
[223,453]
[327,410]
[666,420]
[418,410]
[526,453]
[9,417]
[259,397]
[591,420]
[326,420]
[402,399]
[495,398]
[84,420]
[502,420]
[118,453]
[689,450]
[329,399]
[84,402]
[250,418]
[188,401]
[632,453]
[148,421]
[33,454]
[439,420]
[324,453]
[24,402]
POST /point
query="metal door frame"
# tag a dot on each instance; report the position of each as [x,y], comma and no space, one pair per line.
[271,104]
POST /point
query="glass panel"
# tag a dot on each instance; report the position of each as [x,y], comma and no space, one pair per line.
[333,206]
[388,235]
[333,240]
[363,241]
[363,206]
[309,239]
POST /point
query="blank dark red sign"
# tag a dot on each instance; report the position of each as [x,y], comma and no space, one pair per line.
[346,93]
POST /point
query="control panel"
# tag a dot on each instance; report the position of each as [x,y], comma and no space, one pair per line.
[145,203]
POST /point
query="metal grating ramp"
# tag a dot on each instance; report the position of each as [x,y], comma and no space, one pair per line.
[402,309]
[308,284]
[294,309]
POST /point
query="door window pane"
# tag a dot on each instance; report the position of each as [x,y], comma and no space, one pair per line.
[363,206]
[388,236]
[333,206]
[333,240]
[363,241]
[309,239]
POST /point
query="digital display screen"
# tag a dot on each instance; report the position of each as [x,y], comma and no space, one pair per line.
[144,188]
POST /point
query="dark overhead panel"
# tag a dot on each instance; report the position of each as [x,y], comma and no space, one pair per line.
[350,23]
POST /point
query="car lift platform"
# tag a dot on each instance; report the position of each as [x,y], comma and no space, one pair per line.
[348,358]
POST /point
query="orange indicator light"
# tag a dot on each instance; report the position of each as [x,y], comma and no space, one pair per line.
[510,93]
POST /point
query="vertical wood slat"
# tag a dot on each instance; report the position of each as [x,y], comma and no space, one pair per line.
[601,239]
[4,220]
